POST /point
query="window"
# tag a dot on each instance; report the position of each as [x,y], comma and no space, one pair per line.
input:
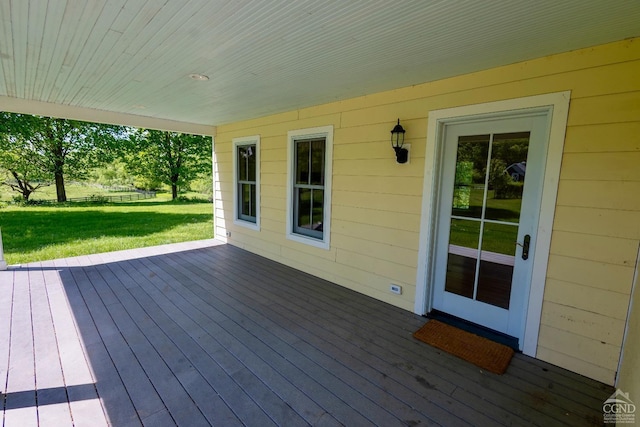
[246,173]
[309,195]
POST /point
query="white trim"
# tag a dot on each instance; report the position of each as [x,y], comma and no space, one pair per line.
[27,106]
[214,181]
[238,142]
[3,263]
[556,106]
[494,257]
[634,285]
[327,133]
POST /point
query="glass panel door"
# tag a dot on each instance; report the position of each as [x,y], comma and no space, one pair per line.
[488,205]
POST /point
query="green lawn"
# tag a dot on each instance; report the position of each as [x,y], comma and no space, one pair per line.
[35,233]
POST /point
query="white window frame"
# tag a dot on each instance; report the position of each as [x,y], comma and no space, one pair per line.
[302,134]
[239,142]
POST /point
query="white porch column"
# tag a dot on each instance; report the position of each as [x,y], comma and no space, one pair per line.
[3,263]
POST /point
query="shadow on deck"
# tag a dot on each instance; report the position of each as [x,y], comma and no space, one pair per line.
[208,334]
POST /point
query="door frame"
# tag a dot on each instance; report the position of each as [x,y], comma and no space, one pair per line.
[556,108]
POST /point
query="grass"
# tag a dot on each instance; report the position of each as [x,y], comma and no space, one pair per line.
[36,233]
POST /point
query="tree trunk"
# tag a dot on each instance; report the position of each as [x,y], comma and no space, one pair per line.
[23,187]
[60,190]
[58,165]
[174,191]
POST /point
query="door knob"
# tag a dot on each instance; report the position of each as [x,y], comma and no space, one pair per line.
[525,246]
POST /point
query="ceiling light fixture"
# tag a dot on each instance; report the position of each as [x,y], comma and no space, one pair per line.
[199,77]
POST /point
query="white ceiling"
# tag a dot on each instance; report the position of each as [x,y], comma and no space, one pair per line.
[264,57]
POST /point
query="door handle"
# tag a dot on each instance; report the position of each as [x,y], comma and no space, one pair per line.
[525,246]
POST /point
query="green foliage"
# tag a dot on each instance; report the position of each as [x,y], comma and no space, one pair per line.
[148,183]
[112,174]
[170,158]
[203,184]
[18,172]
[58,148]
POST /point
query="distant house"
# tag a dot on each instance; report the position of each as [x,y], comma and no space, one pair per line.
[517,171]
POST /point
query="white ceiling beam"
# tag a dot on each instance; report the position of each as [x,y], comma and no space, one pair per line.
[24,106]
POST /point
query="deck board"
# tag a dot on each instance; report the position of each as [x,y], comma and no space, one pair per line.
[204,333]
[20,395]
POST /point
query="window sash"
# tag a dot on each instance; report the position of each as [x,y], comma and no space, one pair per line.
[308,187]
[246,182]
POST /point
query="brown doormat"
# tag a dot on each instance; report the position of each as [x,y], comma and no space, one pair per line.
[486,354]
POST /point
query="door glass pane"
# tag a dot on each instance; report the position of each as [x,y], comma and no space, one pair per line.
[462,258]
[500,238]
[470,173]
[496,264]
[506,176]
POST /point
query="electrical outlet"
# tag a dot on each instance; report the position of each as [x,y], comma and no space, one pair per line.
[396,289]
[228,234]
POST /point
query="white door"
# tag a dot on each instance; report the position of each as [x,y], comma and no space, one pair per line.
[488,208]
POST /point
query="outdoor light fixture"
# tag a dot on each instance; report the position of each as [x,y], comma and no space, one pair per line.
[397,141]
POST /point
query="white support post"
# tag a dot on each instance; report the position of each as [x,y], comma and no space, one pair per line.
[3,263]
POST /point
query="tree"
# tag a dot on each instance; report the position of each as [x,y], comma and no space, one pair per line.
[20,173]
[61,147]
[172,158]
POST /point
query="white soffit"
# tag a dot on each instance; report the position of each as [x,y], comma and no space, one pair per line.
[135,56]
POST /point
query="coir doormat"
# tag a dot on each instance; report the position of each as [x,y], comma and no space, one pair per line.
[484,353]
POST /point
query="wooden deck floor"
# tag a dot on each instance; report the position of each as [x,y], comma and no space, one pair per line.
[207,334]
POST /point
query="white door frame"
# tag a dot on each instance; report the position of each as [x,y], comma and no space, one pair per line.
[556,106]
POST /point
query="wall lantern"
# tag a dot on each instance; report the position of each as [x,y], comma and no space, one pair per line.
[397,141]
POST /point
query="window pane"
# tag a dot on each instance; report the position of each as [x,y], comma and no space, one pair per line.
[252,212]
[317,214]
[307,221]
[302,162]
[242,164]
[471,169]
[251,160]
[248,202]
[317,162]
[304,208]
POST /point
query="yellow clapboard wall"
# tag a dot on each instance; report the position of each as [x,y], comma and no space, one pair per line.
[376,203]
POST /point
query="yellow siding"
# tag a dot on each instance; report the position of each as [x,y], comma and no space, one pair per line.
[630,366]
[376,203]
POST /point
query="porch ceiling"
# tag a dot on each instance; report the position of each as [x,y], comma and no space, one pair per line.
[135,56]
